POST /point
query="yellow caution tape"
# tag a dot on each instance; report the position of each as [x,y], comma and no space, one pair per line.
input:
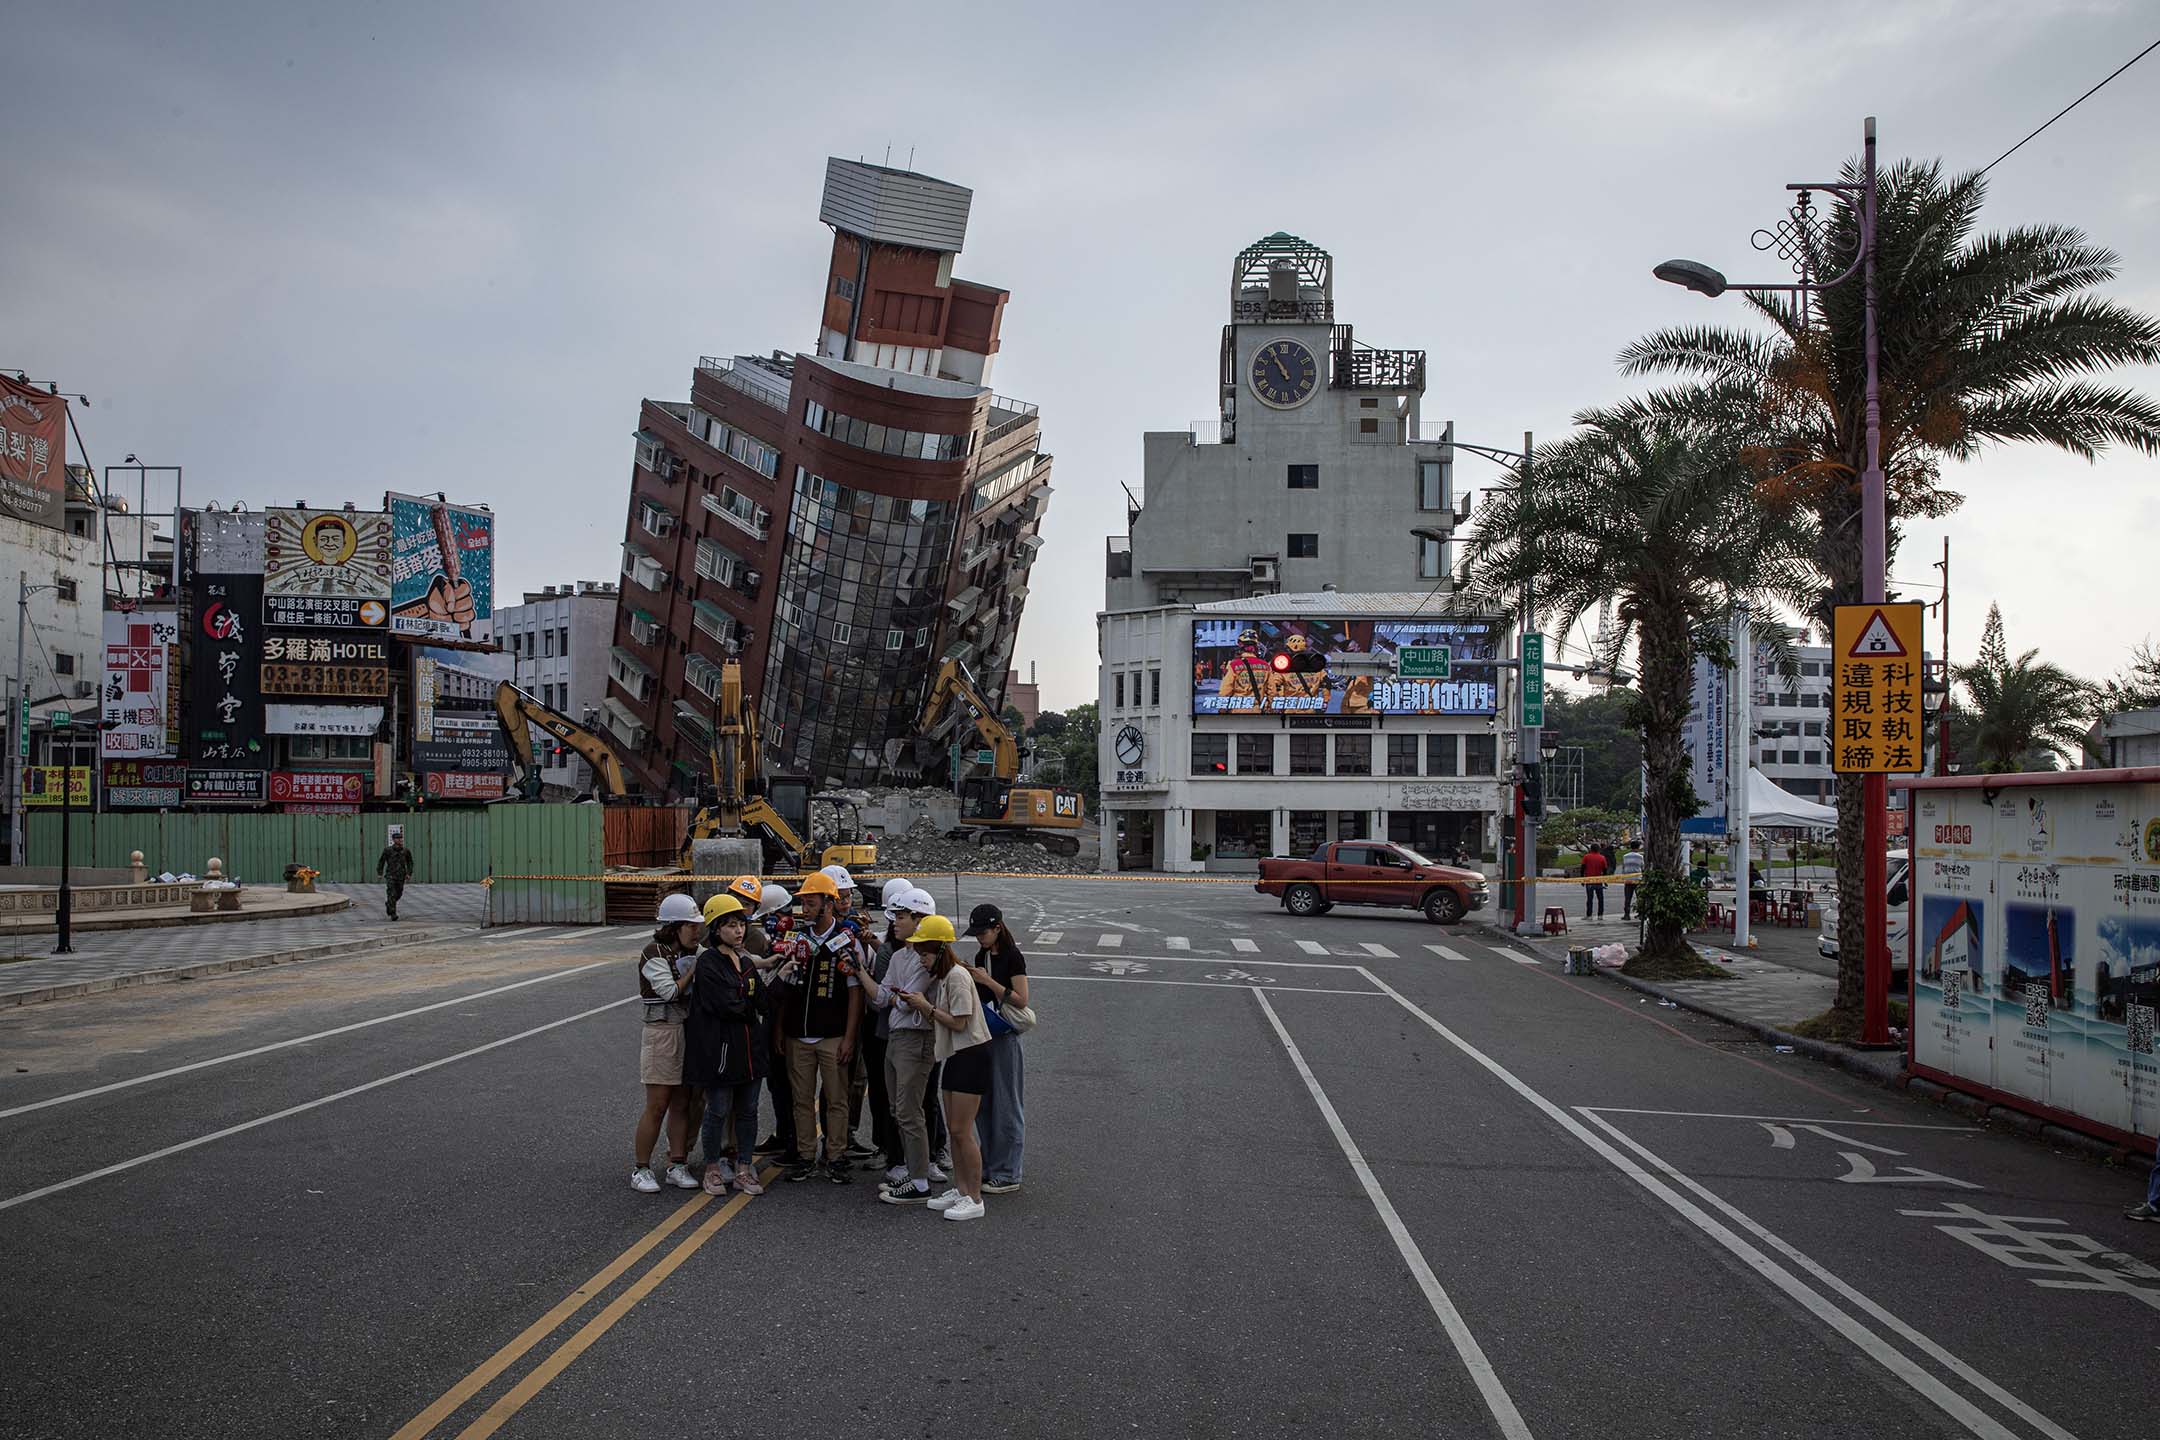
[1144,876]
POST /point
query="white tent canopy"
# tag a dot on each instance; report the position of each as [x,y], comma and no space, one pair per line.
[1771,807]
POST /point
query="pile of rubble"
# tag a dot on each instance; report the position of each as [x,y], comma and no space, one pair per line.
[924,849]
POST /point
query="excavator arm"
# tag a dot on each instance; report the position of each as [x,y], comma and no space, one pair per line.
[954,683]
[518,710]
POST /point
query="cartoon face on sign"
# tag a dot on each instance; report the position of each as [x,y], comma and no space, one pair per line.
[329,540]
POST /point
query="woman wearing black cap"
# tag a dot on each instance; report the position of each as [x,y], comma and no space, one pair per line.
[1000,972]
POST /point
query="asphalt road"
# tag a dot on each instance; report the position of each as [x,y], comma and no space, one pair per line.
[1282,1176]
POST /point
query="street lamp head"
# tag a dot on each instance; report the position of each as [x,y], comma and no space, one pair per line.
[1693,274]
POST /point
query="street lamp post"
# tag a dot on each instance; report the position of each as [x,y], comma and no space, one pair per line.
[1874,536]
[64,916]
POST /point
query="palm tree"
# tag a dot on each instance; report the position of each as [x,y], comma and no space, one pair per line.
[1984,339]
[2024,714]
[1654,509]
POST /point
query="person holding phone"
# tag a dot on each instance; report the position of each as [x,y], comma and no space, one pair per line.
[910,1049]
[665,981]
[963,1046]
[1000,975]
[724,1046]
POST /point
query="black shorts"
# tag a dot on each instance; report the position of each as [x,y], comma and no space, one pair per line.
[968,1071]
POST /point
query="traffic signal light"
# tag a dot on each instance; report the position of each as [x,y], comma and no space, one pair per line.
[1298,662]
[1533,791]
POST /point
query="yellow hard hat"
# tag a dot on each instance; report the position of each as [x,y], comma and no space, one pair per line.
[746,888]
[818,884]
[721,905]
[933,927]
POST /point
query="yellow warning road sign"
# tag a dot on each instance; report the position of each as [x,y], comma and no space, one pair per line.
[1876,716]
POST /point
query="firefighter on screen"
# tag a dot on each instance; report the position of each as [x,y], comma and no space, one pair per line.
[1246,680]
[1300,677]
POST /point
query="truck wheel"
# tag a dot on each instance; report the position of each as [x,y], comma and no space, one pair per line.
[1443,907]
[1302,900]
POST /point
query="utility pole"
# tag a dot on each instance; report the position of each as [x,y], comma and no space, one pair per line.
[18,731]
[1530,682]
[1942,711]
[64,918]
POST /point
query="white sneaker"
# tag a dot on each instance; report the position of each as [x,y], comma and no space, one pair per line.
[896,1174]
[641,1179]
[947,1200]
[937,1176]
[680,1177]
[965,1209]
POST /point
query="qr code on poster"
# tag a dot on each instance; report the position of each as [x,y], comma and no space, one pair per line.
[1953,982]
[2141,1029]
[2036,1006]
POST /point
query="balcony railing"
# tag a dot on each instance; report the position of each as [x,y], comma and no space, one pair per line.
[1006,416]
[748,527]
[760,385]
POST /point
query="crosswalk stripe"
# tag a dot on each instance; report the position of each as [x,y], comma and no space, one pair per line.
[1312,947]
[513,934]
[1374,947]
[1049,937]
[1446,954]
[1511,955]
[1247,946]
[1178,942]
[1109,942]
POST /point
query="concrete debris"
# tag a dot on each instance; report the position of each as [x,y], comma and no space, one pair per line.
[924,848]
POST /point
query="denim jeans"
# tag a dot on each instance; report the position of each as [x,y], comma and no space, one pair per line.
[2152,1186]
[1001,1122]
[731,1106]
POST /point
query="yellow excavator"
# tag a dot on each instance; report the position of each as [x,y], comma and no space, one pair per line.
[518,710]
[778,811]
[996,806]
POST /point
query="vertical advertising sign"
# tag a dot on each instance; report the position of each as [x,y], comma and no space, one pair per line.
[224,718]
[33,454]
[133,705]
[442,581]
[1704,740]
[326,569]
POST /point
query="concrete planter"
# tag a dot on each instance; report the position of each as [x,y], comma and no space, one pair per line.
[300,887]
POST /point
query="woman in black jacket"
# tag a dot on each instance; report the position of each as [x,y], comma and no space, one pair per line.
[725,1047]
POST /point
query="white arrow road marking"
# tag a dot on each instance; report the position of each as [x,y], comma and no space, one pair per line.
[1780,1137]
[1863,1173]
[1446,954]
[1178,942]
[1109,942]
[1119,967]
[1242,977]
[1049,937]
[1374,947]
[1248,946]
[1312,947]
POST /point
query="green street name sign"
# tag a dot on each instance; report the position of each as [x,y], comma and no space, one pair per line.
[1533,681]
[1423,662]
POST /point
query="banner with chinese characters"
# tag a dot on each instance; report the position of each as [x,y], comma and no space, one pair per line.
[317,787]
[143,784]
[326,665]
[347,720]
[442,583]
[454,721]
[134,704]
[222,726]
[1704,740]
[1277,666]
[461,785]
[326,569]
[1876,713]
[41,785]
[225,786]
[2036,953]
[33,454]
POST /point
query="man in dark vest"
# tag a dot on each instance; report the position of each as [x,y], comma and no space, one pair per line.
[395,866]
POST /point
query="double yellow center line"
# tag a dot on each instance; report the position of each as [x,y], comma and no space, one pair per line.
[558,1360]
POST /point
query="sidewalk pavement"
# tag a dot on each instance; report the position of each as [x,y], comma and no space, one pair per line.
[113,959]
[29,933]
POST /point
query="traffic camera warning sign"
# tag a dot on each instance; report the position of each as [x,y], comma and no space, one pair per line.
[1876,716]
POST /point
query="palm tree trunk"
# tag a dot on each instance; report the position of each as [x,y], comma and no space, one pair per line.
[1666,682]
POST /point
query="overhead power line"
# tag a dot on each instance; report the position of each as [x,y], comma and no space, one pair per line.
[2072,105]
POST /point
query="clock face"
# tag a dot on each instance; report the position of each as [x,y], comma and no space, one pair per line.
[1284,373]
[1131,745]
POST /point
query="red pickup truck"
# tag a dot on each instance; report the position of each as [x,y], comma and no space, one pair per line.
[1373,872]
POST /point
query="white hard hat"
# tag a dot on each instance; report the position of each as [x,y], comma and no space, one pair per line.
[775,898]
[678,907]
[919,901]
[838,875]
[894,889]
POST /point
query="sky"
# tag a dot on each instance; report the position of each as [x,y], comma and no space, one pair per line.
[313,253]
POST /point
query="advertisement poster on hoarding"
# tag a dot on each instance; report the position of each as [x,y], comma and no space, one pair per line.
[132,707]
[33,454]
[224,692]
[143,784]
[326,569]
[316,787]
[442,569]
[1704,740]
[461,785]
[221,786]
[1341,667]
[41,785]
[326,665]
[454,722]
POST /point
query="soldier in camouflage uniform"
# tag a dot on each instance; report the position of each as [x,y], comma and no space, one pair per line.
[395,865]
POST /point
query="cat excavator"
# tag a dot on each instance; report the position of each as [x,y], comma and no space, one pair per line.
[997,806]
[517,711]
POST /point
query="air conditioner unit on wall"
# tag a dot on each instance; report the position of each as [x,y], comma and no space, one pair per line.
[1263,567]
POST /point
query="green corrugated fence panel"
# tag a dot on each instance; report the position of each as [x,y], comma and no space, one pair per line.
[546,840]
[449,846]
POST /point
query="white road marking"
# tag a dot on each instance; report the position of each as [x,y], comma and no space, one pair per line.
[1482,1374]
[1967,1414]
[1312,947]
[1377,950]
[1189,959]
[99,1174]
[1206,985]
[1109,942]
[1244,945]
[1863,1173]
[1446,954]
[1049,937]
[1119,967]
[1780,1137]
[1178,942]
[1780,1119]
[296,1040]
[513,934]
[1516,956]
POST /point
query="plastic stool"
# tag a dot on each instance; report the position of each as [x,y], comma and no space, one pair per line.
[1556,920]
